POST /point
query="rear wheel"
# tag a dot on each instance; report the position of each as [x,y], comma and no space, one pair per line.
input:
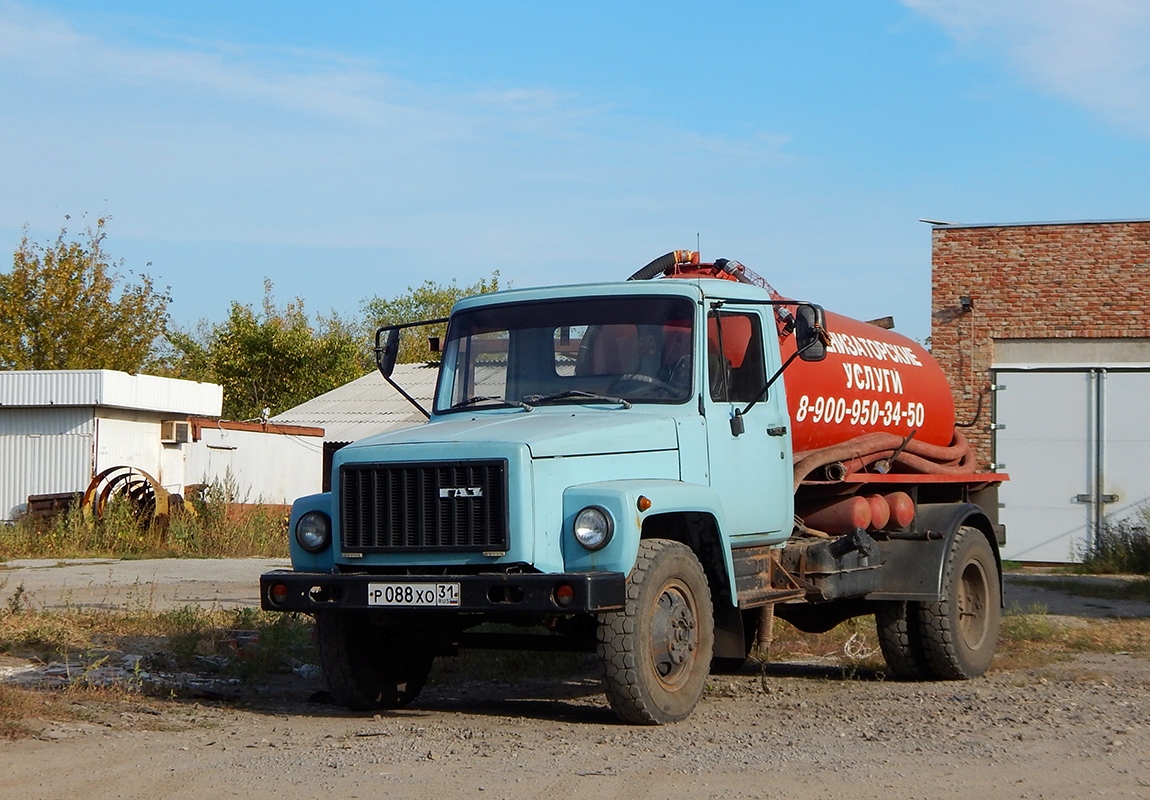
[657,651]
[368,666]
[900,638]
[960,632]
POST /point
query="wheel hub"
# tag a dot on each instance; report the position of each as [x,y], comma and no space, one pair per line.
[674,636]
[973,595]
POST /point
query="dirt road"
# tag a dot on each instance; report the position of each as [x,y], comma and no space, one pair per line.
[1077,729]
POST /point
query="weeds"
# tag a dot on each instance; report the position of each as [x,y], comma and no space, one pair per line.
[215,527]
[1121,546]
[17,601]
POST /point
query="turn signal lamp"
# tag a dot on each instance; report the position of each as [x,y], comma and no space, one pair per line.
[644,503]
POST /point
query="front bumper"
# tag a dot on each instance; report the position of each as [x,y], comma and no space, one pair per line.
[496,593]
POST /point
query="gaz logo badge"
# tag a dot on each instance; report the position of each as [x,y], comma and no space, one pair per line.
[461,491]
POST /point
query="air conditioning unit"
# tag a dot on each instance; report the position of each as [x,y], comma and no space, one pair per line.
[175,432]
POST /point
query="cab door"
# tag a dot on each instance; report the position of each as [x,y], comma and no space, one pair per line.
[751,471]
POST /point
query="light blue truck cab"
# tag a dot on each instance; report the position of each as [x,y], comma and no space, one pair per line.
[607,467]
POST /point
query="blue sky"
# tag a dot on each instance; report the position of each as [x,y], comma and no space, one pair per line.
[347,150]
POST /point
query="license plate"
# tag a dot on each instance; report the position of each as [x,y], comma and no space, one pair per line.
[413,595]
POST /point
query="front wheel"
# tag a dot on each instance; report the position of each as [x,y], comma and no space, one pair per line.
[368,666]
[959,634]
[656,652]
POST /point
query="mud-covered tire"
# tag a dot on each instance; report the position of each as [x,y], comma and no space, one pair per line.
[656,652]
[367,666]
[960,632]
[900,639]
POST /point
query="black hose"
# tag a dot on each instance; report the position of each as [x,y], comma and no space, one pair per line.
[656,267]
[977,414]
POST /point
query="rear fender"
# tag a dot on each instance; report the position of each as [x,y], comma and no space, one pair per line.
[912,567]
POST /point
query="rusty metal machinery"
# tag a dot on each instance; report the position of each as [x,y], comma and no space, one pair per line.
[149,500]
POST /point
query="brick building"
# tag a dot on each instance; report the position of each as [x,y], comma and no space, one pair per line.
[1043,331]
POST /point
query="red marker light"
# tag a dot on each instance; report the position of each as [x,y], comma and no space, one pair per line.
[279,594]
[564,594]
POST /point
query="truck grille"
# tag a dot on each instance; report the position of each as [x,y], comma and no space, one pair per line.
[441,506]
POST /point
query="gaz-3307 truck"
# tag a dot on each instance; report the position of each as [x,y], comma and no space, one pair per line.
[651,470]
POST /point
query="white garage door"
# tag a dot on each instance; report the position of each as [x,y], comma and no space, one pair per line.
[1077,446]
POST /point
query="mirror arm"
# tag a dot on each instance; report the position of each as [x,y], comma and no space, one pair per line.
[774,378]
[382,351]
[407,397]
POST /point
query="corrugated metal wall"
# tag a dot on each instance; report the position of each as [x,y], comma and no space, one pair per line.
[43,451]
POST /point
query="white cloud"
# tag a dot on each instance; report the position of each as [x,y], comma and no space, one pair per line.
[1095,53]
[43,45]
[231,159]
[235,140]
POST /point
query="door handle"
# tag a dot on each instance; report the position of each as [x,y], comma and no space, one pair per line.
[779,431]
[1102,498]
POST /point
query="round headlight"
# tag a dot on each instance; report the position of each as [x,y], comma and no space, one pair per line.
[593,527]
[313,531]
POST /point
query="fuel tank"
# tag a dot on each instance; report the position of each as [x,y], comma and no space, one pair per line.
[872,380]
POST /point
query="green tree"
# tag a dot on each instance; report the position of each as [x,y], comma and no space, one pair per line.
[65,306]
[429,300]
[274,358]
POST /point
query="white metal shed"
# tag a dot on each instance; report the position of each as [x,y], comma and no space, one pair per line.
[59,429]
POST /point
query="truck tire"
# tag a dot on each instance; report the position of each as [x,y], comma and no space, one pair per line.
[368,667]
[960,632]
[656,652]
[900,639]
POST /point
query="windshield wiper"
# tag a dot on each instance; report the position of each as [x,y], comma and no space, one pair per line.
[479,398]
[541,398]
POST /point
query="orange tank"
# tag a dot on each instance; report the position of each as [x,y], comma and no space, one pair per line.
[872,380]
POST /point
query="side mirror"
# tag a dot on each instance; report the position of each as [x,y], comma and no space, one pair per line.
[385,356]
[811,337]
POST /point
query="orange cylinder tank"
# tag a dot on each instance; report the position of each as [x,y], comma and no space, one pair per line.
[872,380]
[879,512]
[901,510]
[837,516]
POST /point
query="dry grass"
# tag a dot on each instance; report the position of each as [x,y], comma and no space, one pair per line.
[853,645]
[217,529]
[243,642]
[1031,638]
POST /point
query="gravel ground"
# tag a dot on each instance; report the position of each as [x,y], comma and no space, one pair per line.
[1073,729]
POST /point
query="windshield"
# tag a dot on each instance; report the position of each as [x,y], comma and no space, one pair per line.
[601,350]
